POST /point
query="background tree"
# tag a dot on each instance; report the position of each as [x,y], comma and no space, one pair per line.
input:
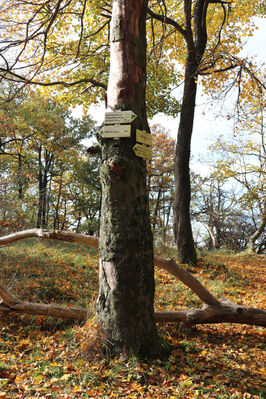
[41,143]
[82,188]
[239,161]
[245,163]
[161,185]
[217,208]
[209,47]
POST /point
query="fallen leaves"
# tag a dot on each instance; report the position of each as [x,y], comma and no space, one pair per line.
[41,357]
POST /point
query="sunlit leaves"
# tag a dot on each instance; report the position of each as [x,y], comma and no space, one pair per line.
[162,79]
[42,143]
[56,41]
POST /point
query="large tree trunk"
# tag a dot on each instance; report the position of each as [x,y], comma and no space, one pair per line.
[126,291]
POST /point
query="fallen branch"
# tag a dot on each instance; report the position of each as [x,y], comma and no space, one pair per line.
[213,311]
[12,304]
[186,278]
[224,314]
[47,310]
[227,312]
[168,265]
[51,235]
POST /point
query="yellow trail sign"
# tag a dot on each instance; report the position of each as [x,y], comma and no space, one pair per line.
[142,151]
[114,131]
[143,137]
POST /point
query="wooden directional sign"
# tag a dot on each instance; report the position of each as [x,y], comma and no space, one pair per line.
[112,118]
[114,131]
[143,151]
[143,137]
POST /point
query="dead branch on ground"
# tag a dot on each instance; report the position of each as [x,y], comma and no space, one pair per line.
[213,310]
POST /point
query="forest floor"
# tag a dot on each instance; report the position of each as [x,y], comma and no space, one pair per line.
[44,357]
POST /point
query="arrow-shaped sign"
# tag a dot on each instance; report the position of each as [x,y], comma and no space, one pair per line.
[143,137]
[112,118]
[115,131]
[142,151]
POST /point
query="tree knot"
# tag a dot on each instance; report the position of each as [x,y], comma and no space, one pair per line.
[115,167]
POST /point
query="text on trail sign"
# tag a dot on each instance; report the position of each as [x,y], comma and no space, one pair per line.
[111,118]
[142,151]
[143,137]
[114,131]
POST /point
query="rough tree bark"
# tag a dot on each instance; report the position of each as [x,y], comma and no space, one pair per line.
[213,310]
[126,290]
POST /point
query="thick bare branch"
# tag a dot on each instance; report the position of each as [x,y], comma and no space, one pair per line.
[167,20]
[16,77]
[52,235]
[12,304]
[186,278]
[224,314]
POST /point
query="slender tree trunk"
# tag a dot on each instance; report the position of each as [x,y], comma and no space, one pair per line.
[126,291]
[43,183]
[78,222]
[41,218]
[169,208]
[63,225]
[4,202]
[40,181]
[20,178]
[252,239]
[49,193]
[182,224]
[214,243]
[196,40]
[44,199]
[56,217]
[156,209]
